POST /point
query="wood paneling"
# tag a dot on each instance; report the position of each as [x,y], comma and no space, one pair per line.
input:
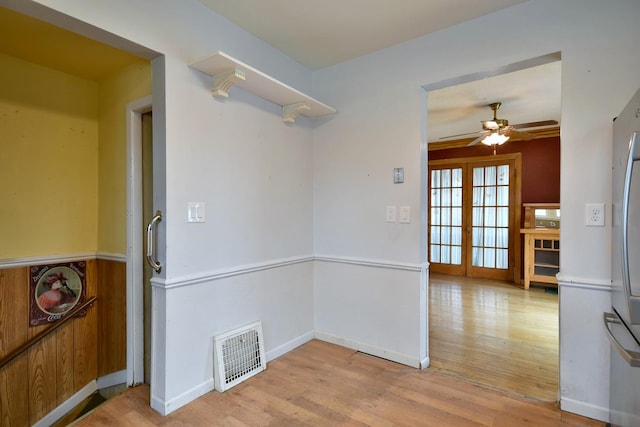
[42,378]
[112,326]
[14,308]
[64,363]
[14,315]
[61,364]
[85,331]
[14,394]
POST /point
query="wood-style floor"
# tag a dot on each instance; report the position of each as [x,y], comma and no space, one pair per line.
[496,334]
[321,384]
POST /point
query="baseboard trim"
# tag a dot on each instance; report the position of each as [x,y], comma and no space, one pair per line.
[110,380]
[288,346]
[166,407]
[585,409]
[383,353]
[68,405]
[425,363]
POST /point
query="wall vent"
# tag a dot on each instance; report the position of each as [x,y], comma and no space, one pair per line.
[238,355]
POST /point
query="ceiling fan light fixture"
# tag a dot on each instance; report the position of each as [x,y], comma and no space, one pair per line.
[495,138]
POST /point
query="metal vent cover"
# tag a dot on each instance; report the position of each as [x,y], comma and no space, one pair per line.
[238,355]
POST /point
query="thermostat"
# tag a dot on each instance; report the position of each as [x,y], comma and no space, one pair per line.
[398,175]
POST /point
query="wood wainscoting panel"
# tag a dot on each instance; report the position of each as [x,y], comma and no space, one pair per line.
[42,378]
[55,368]
[112,316]
[14,308]
[64,363]
[14,394]
[85,332]
[14,329]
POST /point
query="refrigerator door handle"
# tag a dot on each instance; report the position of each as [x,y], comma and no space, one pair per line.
[631,357]
[634,301]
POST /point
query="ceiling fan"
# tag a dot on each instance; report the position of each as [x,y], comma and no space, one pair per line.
[497,131]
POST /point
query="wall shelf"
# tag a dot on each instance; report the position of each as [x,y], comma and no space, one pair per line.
[227,72]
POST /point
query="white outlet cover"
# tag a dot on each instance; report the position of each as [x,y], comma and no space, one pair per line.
[594,215]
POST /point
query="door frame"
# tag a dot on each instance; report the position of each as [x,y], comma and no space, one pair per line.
[517,202]
[135,304]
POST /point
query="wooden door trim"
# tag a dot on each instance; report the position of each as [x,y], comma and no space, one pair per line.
[517,203]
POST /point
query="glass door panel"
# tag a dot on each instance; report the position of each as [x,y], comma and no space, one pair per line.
[471,221]
[446,219]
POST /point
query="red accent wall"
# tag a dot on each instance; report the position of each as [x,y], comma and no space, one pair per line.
[540,168]
[540,165]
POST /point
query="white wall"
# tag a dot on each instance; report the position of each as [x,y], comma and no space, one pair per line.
[378,128]
[372,308]
[251,259]
[232,156]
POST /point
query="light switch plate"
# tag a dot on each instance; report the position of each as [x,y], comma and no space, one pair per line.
[398,175]
[195,212]
[391,214]
[405,214]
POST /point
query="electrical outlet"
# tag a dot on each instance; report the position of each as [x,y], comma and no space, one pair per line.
[594,215]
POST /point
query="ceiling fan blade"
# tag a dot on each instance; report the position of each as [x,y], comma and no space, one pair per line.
[534,124]
[475,141]
[525,136]
[459,135]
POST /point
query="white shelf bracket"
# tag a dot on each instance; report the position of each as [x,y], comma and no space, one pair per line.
[291,111]
[224,81]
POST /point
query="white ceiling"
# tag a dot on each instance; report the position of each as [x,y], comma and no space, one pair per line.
[323,33]
[320,33]
[528,95]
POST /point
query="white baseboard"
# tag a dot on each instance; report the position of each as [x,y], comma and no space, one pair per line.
[68,405]
[110,380]
[288,346]
[404,359]
[425,363]
[585,409]
[166,407]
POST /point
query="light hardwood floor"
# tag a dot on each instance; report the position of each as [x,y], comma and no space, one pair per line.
[496,334]
[321,384]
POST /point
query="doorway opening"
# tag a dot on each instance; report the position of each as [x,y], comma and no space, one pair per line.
[479,313]
[140,203]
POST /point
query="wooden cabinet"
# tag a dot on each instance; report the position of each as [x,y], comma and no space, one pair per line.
[541,255]
[541,243]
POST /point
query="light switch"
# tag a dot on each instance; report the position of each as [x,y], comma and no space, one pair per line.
[398,175]
[405,214]
[195,212]
[391,214]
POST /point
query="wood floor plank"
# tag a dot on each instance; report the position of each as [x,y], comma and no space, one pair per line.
[321,384]
[495,333]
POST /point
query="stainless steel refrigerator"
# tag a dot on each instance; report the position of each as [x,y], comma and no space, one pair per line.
[623,322]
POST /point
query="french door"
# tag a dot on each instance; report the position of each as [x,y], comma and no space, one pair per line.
[474,214]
